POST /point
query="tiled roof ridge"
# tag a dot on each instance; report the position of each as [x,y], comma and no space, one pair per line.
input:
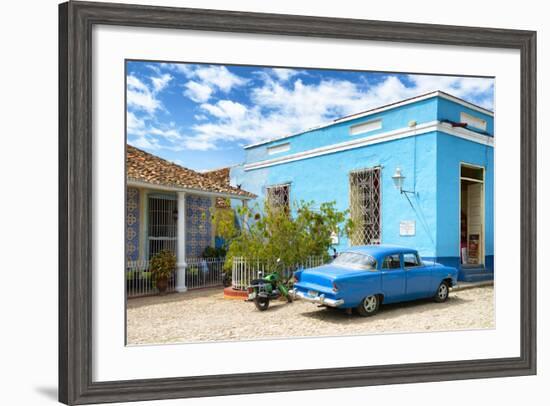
[149,168]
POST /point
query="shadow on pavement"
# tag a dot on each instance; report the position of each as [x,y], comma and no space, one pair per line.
[386,312]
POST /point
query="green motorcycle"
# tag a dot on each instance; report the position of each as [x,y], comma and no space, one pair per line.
[270,287]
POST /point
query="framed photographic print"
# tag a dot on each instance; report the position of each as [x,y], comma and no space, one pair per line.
[258,202]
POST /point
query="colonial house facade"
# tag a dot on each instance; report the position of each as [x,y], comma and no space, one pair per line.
[416,173]
[169,207]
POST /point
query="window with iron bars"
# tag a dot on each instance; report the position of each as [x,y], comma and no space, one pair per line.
[279,197]
[364,197]
[162,224]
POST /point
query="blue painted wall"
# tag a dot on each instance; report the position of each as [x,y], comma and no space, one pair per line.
[198,225]
[326,178]
[423,111]
[430,162]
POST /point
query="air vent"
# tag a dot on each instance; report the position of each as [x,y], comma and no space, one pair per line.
[365,127]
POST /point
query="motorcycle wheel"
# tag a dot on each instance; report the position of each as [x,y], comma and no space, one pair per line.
[262,303]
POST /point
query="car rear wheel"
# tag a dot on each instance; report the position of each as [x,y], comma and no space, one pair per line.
[442,292]
[369,306]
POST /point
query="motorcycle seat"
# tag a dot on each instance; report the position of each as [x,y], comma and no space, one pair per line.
[259,281]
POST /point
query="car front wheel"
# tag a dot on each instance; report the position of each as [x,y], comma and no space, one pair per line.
[442,292]
[368,306]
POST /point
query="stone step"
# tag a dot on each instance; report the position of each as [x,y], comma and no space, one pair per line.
[477,276]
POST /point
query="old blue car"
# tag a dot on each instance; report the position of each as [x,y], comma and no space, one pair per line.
[364,277]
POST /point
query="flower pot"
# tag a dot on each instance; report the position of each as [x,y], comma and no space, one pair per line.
[162,285]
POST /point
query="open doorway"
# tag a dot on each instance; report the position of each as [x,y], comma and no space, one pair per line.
[472,217]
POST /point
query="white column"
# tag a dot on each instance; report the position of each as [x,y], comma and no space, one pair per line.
[209,214]
[181,265]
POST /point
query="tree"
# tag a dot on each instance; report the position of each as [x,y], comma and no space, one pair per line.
[275,233]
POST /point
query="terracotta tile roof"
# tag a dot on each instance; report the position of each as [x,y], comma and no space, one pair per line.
[221,176]
[218,175]
[144,167]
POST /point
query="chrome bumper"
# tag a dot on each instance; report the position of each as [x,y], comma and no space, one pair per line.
[320,299]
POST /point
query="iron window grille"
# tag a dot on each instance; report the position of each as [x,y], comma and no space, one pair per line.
[162,224]
[364,197]
[278,197]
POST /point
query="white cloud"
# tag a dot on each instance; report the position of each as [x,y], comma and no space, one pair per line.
[205,80]
[184,68]
[140,96]
[198,92]
[143,134]
[476,90]
[219,76]
[170,134]
[277,110]
[282,104]
[226,109]
[145,142]
[285,74]
[134,125]
[160,82]
[198,144]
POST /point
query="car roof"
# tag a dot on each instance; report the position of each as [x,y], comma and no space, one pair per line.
[378,251]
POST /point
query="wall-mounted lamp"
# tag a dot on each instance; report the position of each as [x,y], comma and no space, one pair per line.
[399,180]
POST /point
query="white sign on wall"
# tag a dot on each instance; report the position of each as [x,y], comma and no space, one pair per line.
[407,228]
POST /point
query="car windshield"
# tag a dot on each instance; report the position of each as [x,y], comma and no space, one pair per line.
[355,260]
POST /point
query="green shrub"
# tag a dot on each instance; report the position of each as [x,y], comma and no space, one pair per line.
[214,252]
[274,233]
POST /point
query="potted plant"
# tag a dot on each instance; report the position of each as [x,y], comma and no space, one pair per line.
[162,267]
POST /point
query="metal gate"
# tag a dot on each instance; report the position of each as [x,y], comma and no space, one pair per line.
[364,198]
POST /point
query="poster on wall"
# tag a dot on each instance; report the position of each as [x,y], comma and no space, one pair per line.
[473,249]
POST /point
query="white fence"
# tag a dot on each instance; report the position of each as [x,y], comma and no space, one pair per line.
[245,270]
[204,272]
[200,273]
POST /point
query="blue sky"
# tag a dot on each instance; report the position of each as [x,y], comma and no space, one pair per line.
[200,116]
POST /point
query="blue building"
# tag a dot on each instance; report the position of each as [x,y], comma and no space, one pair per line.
[416,173]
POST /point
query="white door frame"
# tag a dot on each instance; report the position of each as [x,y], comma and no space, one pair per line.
[460,179]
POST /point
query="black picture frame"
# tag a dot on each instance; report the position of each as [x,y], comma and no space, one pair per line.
[76,20]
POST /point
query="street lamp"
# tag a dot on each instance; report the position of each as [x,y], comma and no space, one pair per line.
[399,180]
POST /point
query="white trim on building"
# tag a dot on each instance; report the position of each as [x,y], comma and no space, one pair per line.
[437,93]
[153,186]
[473,121]
[376,139]
[276,149]
[365,127]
